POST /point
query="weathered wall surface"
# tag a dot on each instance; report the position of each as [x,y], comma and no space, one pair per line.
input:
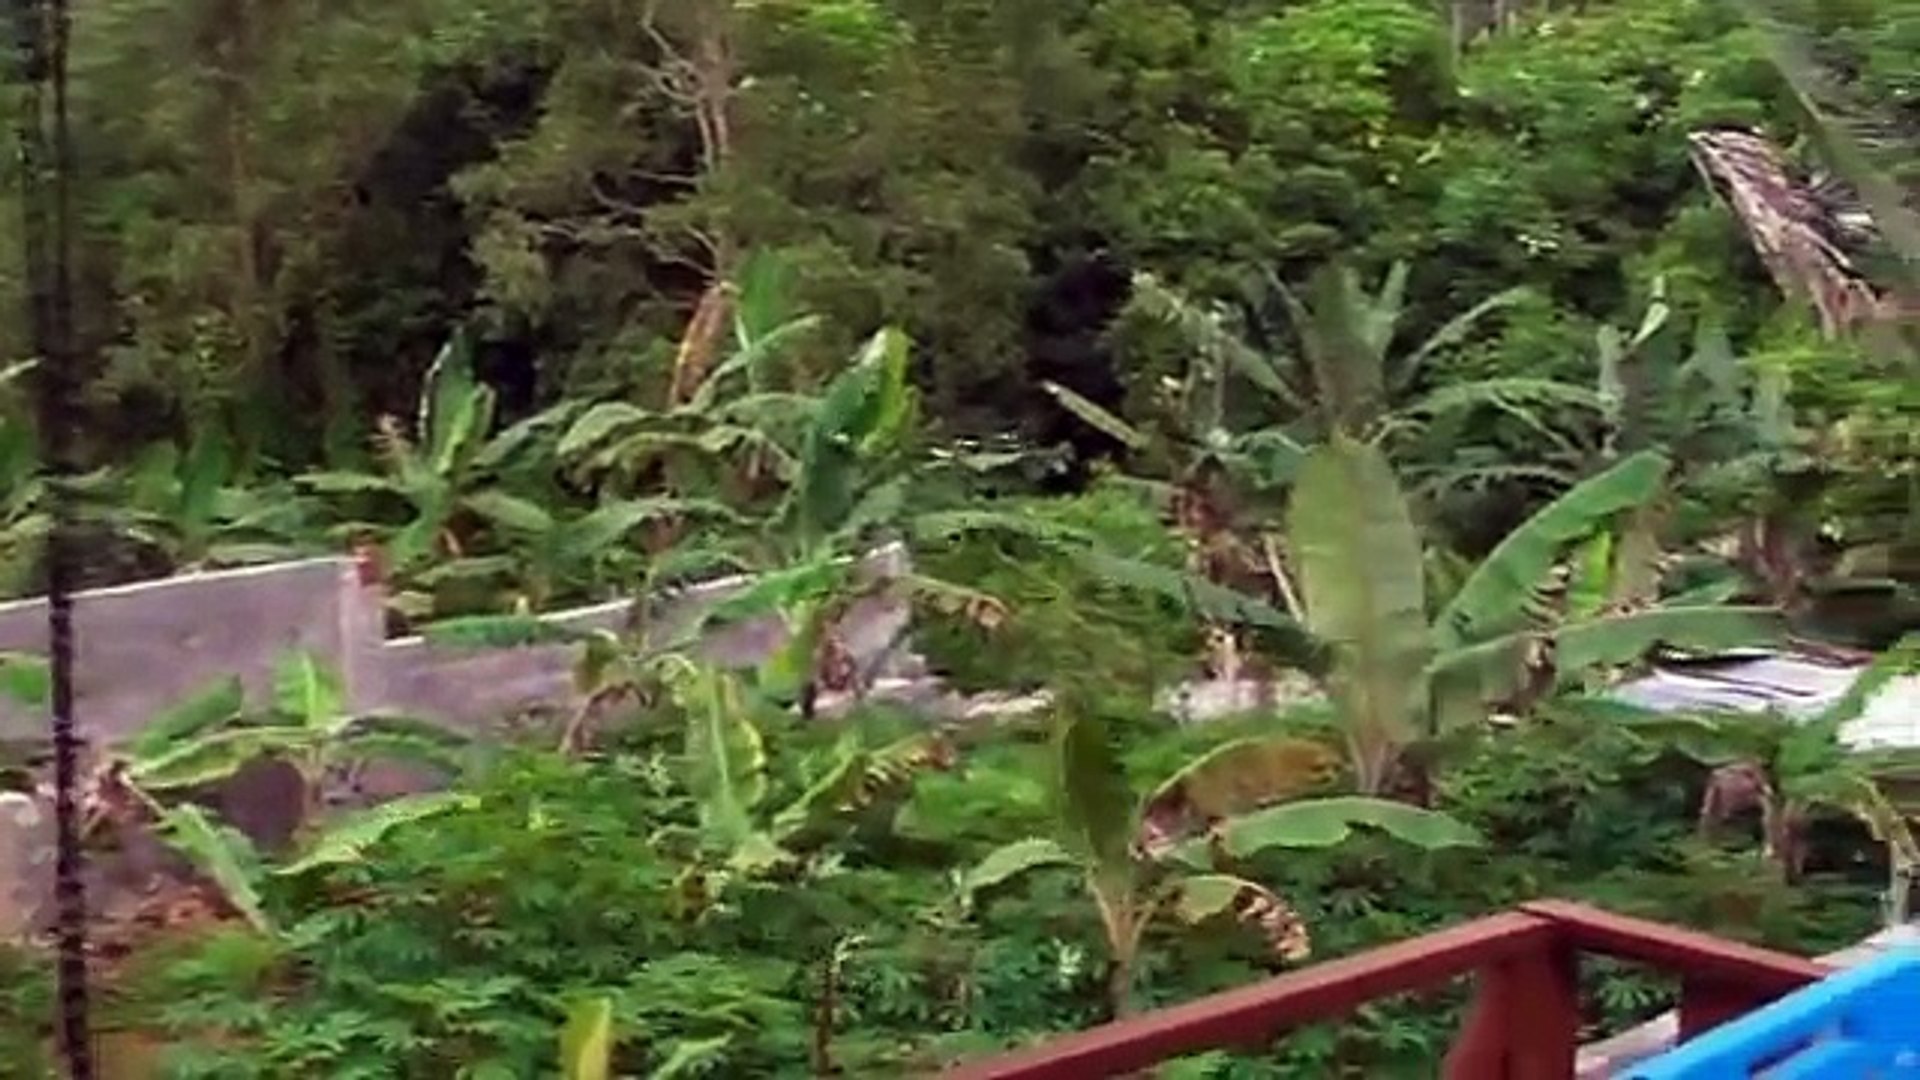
[143,647]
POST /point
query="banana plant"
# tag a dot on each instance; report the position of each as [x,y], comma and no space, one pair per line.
[1789,768]
[1138,873]
[210,735]
[560,553]
[192,507]
[1347,375]
[731,432]
[445,468]
[213,734]
[727,774]
[1398,676]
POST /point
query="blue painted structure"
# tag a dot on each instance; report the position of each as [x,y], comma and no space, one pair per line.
[1861,1024]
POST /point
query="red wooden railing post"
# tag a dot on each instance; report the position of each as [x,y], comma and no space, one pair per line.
[1480,1050]
[1544,1025]
[1708,1003]
[1524,1023]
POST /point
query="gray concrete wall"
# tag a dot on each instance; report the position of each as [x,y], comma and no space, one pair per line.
[472,689]
[143,647]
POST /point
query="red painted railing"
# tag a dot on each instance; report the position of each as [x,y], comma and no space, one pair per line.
[1524,1022]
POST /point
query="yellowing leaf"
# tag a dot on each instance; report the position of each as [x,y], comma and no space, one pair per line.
[586,1043]
[1210,896]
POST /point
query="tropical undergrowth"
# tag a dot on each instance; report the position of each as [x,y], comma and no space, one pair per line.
[459,944]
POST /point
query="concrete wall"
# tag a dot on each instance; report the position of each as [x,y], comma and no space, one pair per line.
[143,647]
[473,689]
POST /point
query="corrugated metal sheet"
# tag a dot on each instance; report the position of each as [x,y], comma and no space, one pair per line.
[1790,683]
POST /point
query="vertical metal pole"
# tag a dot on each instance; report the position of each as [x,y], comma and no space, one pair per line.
[46,166]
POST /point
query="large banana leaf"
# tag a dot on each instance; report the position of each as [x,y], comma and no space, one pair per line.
[1207,599]
[1489,670]
[509,511]
[1495,599]
[347,841]
[600,424]
[501,450]
[1339,327]
[859,778]
[1238,776]
[1320,823]
[749,359]
[1095,804]
[864,413]
[1363,582]
[1011,860]
[308,692]
[1210,896]
[607,525]
[1207,333]
[726,758]
[349,483]
[1452,333]
[204,471]
[1902,659]
[456,409]
[1097,417]
[223,855]
[211,707]
[1624,639]
[220,755]
[783,591]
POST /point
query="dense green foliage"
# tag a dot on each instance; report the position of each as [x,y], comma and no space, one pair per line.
[1411,357]
[457,948]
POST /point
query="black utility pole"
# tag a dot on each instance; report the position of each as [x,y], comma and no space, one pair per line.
[45,160]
